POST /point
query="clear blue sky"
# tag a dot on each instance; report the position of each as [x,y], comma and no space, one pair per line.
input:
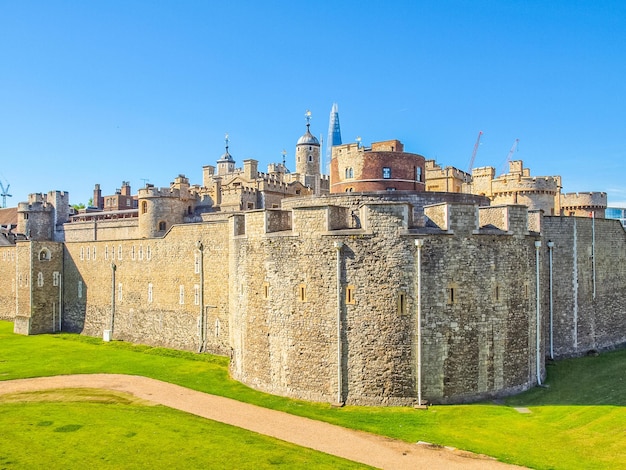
[105,91]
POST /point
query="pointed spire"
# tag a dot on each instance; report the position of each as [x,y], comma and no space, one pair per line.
[334,132]
[227,156]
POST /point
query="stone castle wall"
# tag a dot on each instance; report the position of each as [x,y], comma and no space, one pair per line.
[159,288]
[110,229]
[478,340]
[40,280]
[583,204]
[8,282]
[319,300]
[585,321]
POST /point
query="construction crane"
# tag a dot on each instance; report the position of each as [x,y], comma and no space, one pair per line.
[5,193]
[508,157]
[471,163]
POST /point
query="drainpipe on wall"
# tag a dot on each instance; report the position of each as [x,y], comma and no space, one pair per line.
[30,286]
[593,251]
[338,246]
[575,287]
[550,247]
[202,346]
[538,323]
[419,243]
[60,302]
[113,269]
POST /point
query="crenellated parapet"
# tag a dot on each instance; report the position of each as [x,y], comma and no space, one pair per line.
[529,184]
[42,217]
[517,187]
[160,208]
[584,204]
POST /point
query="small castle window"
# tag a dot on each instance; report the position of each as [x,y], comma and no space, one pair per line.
[140,252]
[44,255]
[386,172]
[132,253]
[55,278]
[350,292]
[162,226]
[217,327]
[181,295]
[302,292]
[418,173]
[401,303]
[119,291]
[266,290]
[150,293]
[496,293]
[40,279]
[148,253]
[82,253]
[196,294]
[526,292]
[144,207]
[106,251]
[452,294]
[310,158]
[196,263]
[119,252]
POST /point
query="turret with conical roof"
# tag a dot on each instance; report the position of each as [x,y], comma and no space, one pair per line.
[308,157]
[226,163]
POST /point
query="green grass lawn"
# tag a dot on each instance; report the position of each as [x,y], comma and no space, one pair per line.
[102,429]
[579,422]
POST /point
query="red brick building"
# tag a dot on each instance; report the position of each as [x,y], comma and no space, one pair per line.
[385,166]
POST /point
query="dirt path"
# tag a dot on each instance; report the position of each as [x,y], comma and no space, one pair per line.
[358,446]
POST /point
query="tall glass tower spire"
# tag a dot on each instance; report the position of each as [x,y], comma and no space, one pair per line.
[334,132]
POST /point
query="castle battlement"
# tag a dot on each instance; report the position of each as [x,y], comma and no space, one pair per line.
[36,206]
[517,183]
[483,171]
[591,199]
[154,192]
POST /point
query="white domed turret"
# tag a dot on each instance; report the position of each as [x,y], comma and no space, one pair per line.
[226,163]
[308,157]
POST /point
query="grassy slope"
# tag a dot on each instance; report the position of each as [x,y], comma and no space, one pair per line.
[576,423]
[106,430]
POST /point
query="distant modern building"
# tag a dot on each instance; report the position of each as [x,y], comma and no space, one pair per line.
[618,213]
[334,132]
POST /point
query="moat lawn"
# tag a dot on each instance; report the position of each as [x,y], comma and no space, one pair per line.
[578,422]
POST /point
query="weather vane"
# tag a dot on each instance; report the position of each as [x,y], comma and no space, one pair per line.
[307,116]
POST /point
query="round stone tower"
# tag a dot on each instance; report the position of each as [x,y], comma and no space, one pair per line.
[308,158]
[160,208]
